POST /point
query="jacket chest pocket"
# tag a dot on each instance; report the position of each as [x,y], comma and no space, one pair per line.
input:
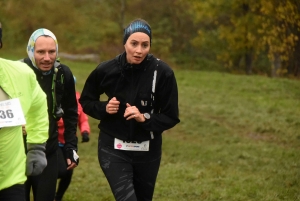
[144,101]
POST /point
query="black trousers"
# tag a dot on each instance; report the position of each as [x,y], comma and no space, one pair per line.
[13,193]
[130,174]
[44,185]
[64,175]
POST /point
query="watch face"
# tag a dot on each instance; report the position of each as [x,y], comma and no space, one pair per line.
[147,115]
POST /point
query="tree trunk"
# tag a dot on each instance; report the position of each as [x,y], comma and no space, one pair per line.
[122,14]
[276,65]
[248,62]
[248,53]
[296,59]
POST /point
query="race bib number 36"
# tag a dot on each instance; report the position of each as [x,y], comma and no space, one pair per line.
[131,145]
[11,113]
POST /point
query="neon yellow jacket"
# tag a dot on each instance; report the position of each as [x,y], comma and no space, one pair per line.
[19,81]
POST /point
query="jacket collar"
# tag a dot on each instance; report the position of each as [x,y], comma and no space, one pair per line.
[126,66]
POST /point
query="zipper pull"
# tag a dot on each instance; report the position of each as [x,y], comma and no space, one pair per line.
[152,136]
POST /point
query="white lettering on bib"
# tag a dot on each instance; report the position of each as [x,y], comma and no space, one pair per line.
[11,113]
[131,145]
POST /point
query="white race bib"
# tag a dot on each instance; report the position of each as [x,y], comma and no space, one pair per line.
[11,113]
[131,145]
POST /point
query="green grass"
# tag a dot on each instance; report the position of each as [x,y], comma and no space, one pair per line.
[238,140]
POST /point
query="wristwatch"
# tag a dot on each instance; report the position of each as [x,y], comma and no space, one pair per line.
[146,115]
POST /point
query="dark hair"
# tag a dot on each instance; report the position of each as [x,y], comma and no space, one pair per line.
[137,25]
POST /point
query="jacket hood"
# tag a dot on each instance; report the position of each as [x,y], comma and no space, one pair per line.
[31,43]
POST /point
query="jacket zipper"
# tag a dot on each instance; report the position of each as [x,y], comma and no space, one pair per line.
[131,123]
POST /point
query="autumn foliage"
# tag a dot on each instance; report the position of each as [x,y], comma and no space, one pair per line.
[252,37]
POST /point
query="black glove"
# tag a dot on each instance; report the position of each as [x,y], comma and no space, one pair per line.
[72,155]
[36,159]
[85,136]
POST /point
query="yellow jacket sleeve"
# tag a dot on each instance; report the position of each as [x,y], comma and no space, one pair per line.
[37,123]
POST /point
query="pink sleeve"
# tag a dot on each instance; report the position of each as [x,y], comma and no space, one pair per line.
[61,130]
[83,122]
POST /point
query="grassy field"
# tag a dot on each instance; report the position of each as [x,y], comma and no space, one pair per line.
[238,140]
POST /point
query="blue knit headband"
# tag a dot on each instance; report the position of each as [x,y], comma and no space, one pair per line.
[136,26]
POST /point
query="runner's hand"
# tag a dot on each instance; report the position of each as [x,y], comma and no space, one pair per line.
[36,159]
[72,159]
